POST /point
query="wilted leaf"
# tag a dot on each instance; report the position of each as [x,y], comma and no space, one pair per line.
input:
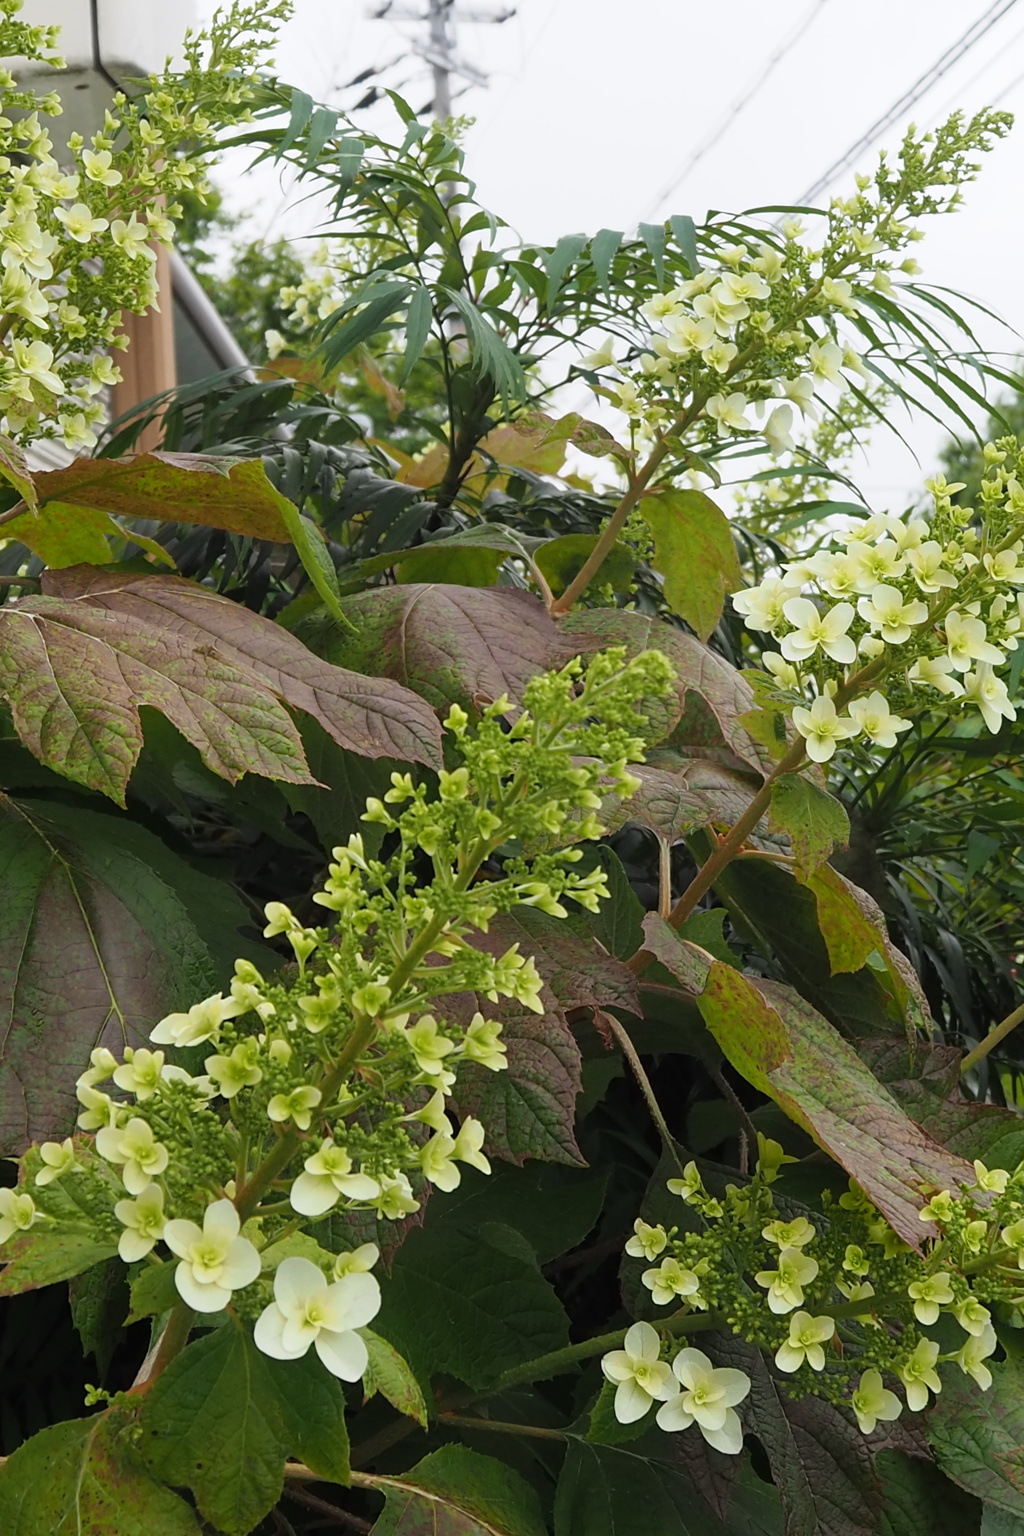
[61,535]
[223,493]
[815,822]
[694,552]
[15,470]
[131,919]
[788,1051]
[457,1492]
[84,1478]
[452,643]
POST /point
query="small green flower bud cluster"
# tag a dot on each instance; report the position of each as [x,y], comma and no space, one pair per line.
[841,1301]
[328,1089]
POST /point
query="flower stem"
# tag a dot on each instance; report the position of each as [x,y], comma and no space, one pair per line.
[992,1039]
[630,1052]
[497,1426]
[171,1343]
[558,1360]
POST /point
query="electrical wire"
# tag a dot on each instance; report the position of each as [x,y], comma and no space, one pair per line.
[742,101]
[975,32]
[961,90]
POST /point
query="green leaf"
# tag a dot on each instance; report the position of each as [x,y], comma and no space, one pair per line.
[452,644]
[99,1308]
[788,1051]
[233,494]
[341,336]
[978,1437]
[603,1489]
[457,1305]
[316,560]
[602,252]
[417,329]
[553,1207]
[980,848]
[491,357]
[388,1374]
[211,1423]
[678,795]
[685,234]
[999,1522]
[563,558]
[558,261]
[153,1291]
[84,1478]
[815,821]
[927,1085]
[61,535]
[694,552]
[617,922]
[653,236]
[132,918]
[458,1492]
[573,967]
[300,113]
[918,1501]
[40,1257]
[345,781]
[322,125]
[311,1413]
[14,468]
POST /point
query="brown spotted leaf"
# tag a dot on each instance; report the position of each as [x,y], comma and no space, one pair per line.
[449,643]
[175,487]
[788,1051]
[978,1438]
[83,1478]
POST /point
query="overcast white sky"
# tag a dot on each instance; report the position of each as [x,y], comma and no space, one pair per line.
[594,108]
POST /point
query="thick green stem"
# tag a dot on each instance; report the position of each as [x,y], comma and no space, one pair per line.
[594,561]
[992,1039]
[498,1427]
[560,1360]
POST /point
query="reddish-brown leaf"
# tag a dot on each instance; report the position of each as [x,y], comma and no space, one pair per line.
[464,644]
[366,715]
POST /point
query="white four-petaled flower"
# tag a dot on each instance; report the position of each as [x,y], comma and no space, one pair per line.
[215,1259]
[708,1399]
[638,1373]
[310,1310]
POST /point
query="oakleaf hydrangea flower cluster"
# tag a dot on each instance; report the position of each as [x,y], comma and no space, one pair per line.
[899,614]
[840,1301]
[77,227]
[744,345]
[328,1089]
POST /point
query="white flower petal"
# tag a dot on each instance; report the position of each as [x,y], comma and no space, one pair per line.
[296,1282]
[673,1415]
[201,1298]
[241,1264]
[221,1221]
[642,1342]
[268,1335]
[631,1402]
[180,1237]
[729,1438]
[344,1354]
[313,1194]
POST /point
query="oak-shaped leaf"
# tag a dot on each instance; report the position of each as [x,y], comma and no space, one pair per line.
[453,644]
[102,932]
[978,1437]
[78,662]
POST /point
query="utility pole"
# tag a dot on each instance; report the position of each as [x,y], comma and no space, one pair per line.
[438,49]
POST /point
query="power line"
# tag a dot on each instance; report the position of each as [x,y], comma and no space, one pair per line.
[439,48]
[751,89]
[965,85]
[942,66]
